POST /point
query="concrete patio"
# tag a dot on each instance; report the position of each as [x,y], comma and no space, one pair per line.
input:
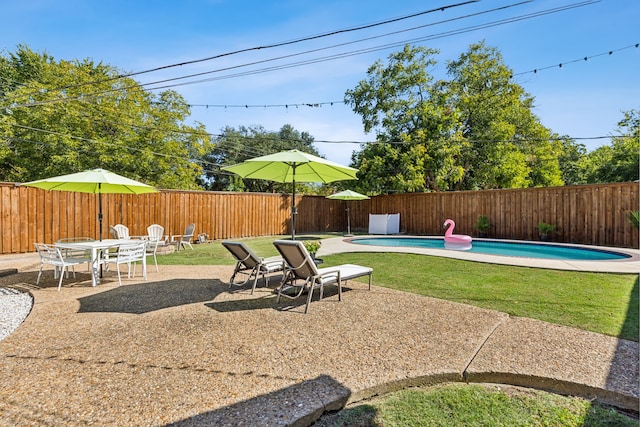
[182,349]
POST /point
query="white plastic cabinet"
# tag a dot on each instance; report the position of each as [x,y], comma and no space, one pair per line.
[384,223]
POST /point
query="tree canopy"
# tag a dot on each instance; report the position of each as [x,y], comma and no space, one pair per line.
[234,146]
[620,161]
[473,131]
[59,117]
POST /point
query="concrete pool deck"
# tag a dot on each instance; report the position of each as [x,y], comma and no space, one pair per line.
[629,265]
[182,349]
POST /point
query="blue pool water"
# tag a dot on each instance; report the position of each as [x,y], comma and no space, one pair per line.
[527,250]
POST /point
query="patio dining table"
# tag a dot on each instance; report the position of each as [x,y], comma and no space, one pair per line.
[96,247]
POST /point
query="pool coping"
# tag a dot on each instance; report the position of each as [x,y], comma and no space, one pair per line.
[629,265]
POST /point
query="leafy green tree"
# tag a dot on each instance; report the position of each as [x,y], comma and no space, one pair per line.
[237,145]
[474,131]
[508,147]
[403,105]
[572,161]
[619,161]
[98,119]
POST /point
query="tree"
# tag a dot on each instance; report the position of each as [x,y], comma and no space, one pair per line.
[402,104]
[59,117]
[473,131]
[618,162]
[571,162]
[237,145]
[508,147]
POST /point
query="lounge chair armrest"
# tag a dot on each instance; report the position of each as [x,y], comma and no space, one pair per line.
[273,263]
[328,273]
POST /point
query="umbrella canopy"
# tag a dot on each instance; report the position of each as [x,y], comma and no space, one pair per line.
[291,166]
[96,181]
[348,195]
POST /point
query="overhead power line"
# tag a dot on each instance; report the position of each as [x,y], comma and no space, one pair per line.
[330,57]
[308,38]
[378,48]
[559,138]
[274,45]
[431,24]
[239,148]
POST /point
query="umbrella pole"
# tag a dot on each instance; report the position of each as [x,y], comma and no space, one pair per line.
[100,221]
[100,209]
[293,206]
[348,220]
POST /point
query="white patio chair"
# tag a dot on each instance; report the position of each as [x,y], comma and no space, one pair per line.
[302,273]
[155,237]
[76,253]
[130,254]
[119,231]
[52,255]
[250,264]
[182,240]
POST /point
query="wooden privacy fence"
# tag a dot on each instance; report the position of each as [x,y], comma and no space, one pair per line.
[589,214]
[584,214]
[29,215]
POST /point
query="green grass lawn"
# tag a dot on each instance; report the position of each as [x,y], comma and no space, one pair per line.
[451,405]
[597,302]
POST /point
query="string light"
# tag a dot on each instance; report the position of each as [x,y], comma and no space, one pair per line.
[586,58]
[320,104]
[286,106]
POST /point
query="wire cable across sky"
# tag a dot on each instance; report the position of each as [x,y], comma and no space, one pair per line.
[333,57]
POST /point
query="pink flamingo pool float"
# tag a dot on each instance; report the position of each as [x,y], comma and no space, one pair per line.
[460,242]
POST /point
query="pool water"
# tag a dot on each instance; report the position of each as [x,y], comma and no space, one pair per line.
[516,249]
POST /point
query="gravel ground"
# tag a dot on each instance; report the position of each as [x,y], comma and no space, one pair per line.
[15,306]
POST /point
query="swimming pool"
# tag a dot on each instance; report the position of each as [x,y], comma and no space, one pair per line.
[502,248]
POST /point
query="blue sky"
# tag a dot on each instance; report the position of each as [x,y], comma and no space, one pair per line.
[581,99]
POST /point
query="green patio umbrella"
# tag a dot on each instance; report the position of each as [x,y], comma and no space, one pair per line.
[96,181]
[347,195]
[291,166]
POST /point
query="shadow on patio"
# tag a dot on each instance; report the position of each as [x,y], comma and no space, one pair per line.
[300,404]
[330,296]
[151,296]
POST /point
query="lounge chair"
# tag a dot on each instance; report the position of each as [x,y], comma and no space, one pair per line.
[184,239]
[301,272]
[247,262]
